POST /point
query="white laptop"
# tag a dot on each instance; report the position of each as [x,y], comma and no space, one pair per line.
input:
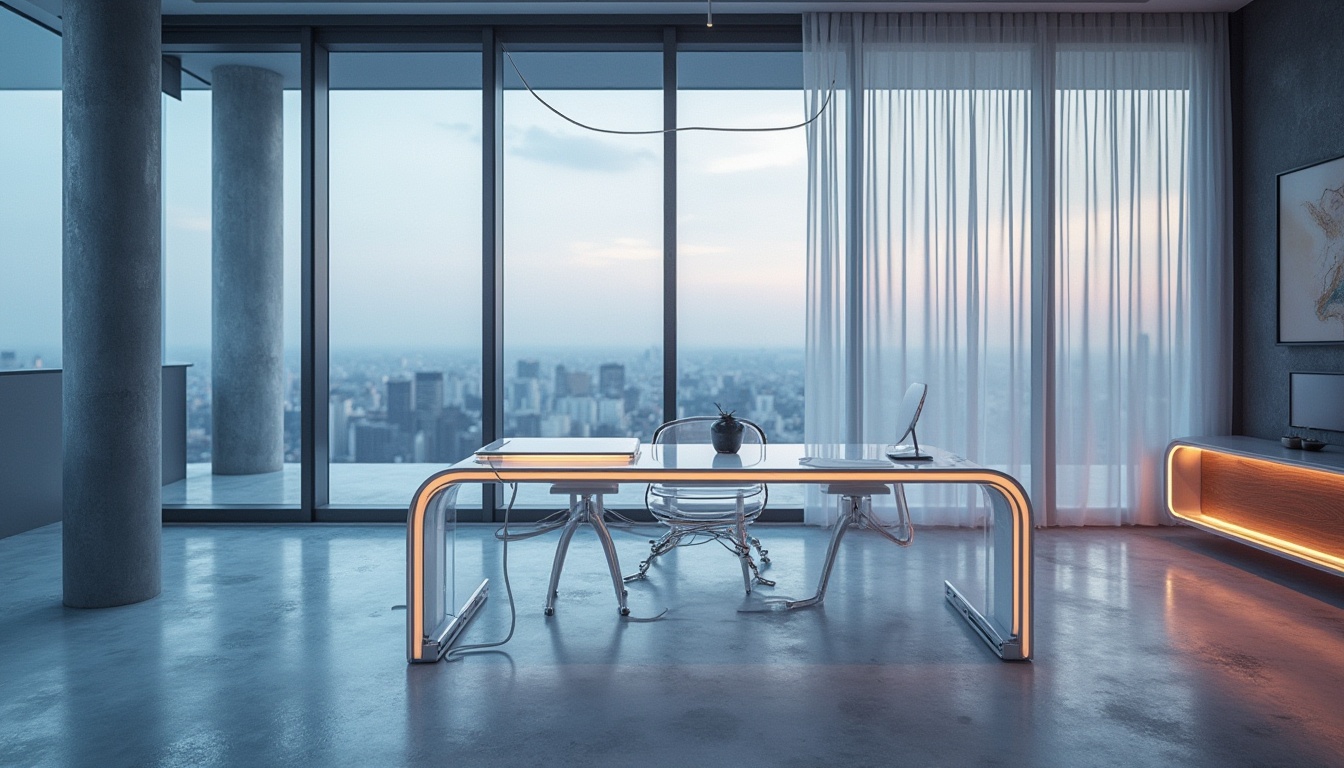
[559,448]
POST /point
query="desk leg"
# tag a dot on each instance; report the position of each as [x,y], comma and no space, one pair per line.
[1007,628]
[441,628]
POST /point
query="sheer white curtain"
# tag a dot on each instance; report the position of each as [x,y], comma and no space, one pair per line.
[934,214]
[1142,255]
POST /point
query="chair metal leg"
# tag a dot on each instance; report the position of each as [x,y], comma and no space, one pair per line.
[743,548]
[594,511]
[761,551]
[858,512]
[561,548]
[868,520]
[657,548]
[842,525]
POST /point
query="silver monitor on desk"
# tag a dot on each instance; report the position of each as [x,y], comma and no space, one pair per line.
[906,419]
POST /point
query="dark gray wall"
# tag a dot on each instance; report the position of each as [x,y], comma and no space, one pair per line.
[30,450]
[1288,111]
[30,443]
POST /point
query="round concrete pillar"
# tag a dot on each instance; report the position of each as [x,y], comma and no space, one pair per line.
[247,361]
[111,537]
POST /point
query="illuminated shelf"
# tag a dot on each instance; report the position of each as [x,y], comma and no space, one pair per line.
[1283,501]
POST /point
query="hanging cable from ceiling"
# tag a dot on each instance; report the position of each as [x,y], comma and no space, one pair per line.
[824,104]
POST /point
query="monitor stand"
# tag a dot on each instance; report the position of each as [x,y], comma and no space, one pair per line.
[907,452]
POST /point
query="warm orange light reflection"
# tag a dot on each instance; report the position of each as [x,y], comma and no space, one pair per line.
[1322,559]
[1260,645]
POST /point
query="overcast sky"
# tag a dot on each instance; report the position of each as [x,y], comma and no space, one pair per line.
[583,220]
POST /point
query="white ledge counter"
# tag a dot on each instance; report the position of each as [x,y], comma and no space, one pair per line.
[1286,501]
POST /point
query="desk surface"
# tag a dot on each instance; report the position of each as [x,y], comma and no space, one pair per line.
[768,459]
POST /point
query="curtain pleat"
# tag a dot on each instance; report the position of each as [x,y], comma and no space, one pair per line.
[940,110]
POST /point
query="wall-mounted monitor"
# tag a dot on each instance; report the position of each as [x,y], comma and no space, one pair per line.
[1316,401]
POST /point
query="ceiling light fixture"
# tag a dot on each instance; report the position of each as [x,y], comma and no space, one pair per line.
[709,19]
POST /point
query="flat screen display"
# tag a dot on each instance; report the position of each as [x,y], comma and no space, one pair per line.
[1316,401]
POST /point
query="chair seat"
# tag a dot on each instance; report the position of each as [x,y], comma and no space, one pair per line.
[717,509]
[703,491]
[856,489]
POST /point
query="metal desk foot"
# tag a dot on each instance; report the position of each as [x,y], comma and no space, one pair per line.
[1009,649]
[446,634]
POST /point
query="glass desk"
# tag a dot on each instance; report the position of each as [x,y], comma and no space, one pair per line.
[1006,625]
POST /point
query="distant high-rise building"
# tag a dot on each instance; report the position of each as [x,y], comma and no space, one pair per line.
[529,424]
[454,390]
[400,405]
[449,436]
[375,442]
[561,382]
[9,359]
[582,410]
[611,412]
[556,425]
[429,393]
[428,408]
[529,369]
[526,396]
[339,428]
[580,383]
[611,380]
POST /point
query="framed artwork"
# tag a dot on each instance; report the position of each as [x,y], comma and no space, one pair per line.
[1311,254]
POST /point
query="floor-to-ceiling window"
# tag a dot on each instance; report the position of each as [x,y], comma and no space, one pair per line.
[741,241]
[582,220]
[405,261]
[193,316]
[583,229]
[30,194]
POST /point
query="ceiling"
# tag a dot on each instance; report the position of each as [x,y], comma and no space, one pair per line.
[50,9]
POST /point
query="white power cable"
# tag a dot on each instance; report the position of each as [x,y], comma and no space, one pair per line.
[457,653]
[824,104]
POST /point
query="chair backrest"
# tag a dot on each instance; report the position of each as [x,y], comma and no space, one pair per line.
[694,430]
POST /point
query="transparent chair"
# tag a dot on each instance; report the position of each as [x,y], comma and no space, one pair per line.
[700,513]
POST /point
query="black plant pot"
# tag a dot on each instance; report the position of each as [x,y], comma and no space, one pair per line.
[726,435]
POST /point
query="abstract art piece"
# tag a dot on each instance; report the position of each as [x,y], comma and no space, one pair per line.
[1311,254]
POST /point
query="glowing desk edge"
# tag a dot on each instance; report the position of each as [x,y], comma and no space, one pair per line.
[1008,628]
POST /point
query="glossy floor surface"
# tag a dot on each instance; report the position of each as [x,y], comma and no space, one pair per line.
[285,645]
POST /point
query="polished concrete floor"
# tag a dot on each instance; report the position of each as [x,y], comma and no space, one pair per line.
[285,645]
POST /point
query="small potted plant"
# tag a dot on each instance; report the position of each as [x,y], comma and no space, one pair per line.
[726,432]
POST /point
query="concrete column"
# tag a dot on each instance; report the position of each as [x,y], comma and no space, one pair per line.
[248,224]
[110,288]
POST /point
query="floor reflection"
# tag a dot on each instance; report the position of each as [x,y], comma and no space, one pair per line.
[285,645]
